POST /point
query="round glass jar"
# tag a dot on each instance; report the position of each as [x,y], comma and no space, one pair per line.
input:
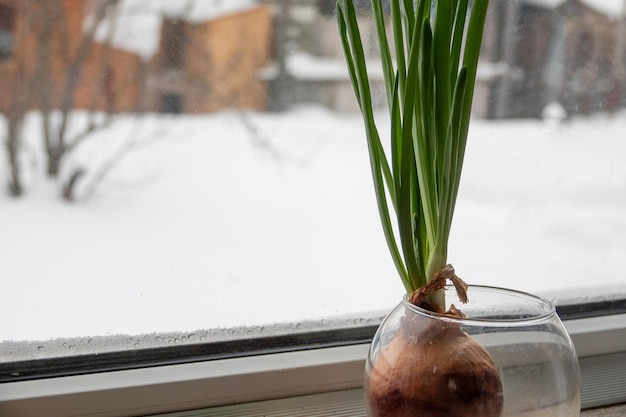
[509,357]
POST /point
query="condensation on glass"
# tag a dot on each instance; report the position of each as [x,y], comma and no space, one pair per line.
[175,172]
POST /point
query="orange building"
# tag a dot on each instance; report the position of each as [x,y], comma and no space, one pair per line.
[49,59]
[210,65]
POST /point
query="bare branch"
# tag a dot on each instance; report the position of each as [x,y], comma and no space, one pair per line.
[262,142]
[258,139]
[74,68]
[92,127]
[134,142]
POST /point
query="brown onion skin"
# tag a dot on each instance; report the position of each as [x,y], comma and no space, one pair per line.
[442,372]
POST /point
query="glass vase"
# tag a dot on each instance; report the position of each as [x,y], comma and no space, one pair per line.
[510,356]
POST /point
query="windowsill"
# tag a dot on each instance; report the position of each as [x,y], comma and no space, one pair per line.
[613,411]
[294,376]
[341,404]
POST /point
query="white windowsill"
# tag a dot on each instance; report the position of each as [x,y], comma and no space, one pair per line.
[242,380]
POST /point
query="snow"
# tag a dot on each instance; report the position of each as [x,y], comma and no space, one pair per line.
[203,225]
[612,8]
[304,66]
[137,24]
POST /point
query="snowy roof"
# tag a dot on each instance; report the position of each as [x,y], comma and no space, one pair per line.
[306,67]
[548,4]
[612,8]
[138,22]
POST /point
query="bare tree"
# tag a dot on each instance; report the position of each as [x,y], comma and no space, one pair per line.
[57,142]
[14,109]
[63,48]
[12,145]
[53,49]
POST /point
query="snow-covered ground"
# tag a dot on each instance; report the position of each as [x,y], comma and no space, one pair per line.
[204,225]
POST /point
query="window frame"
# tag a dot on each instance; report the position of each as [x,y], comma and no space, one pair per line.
[187,383]
[209,383]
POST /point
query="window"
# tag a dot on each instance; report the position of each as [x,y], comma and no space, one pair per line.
[173,43]
[226,231]
[171,103]
[6,31]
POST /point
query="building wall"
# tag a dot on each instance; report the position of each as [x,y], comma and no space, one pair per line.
[591,81]
[568,55]
[528,90]
[50,50]
[238,47]
[111,80]
[220,65]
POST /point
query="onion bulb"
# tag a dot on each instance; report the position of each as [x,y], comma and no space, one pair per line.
[438,371]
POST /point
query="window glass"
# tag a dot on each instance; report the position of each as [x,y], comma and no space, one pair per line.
[196,171]
[6,31]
